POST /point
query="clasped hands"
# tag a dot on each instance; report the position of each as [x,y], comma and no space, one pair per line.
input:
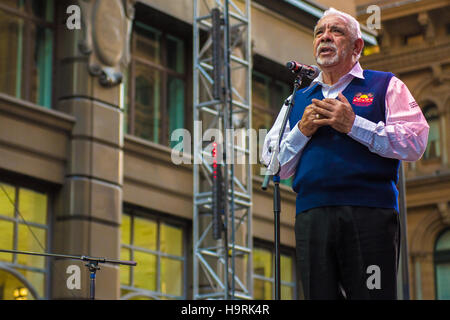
[332,112]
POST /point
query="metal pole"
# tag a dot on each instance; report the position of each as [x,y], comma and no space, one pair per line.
[248,57]
[229,100]
[93,267]
[277,213]
[227,154]
[404,234]
[195,278]
[92,288]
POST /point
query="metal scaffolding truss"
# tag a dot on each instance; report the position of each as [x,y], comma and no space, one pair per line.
[222,102]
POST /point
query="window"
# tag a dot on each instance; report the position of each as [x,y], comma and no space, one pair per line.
[433,150]
[264,272]
[16,205]
[442,266]
[26,49]
[158,247]
[156,84]
[268,95]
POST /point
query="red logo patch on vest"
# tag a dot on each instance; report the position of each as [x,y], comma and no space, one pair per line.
[363,99]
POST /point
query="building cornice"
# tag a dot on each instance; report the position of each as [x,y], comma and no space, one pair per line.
[35,113]
[395,9]
[407,59]
[429,179]
[428,189]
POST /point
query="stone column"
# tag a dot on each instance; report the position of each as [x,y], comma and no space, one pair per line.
[88,208]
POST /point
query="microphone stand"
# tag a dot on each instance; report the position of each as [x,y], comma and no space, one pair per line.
[273,170]
[92,264]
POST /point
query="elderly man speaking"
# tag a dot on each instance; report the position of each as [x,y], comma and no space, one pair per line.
[345,136]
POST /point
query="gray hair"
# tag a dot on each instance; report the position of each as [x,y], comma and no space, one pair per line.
[352,24]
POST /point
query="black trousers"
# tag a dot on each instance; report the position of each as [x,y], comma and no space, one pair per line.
[348,252]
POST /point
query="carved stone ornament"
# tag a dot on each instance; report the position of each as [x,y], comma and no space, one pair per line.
[444,212]
[438,74]
[427,23]
[106,27]
[385,38]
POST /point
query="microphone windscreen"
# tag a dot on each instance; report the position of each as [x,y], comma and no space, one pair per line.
[314,75]
[290,65]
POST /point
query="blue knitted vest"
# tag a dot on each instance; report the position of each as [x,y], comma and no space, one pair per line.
[336,170]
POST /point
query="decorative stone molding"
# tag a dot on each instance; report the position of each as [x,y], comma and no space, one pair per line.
[385,38]
[401,59]
[423,18]
[422,238]
[420,256]
[425,21]
[444,212]
[438,75]
[433,88]
[106,26]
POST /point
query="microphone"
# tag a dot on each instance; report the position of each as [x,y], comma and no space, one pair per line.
[311,72]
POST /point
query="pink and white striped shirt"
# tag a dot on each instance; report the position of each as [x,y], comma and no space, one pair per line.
[404,136]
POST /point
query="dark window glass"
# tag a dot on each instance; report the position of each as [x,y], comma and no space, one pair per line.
[26,50]
[268,95]
[11,54]
[433,150]
[157,81]
[147,103]
[442,265]
[42,9]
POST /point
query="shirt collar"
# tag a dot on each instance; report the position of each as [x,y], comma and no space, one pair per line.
[357,71]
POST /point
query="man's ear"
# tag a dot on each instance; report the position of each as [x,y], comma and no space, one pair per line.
[359,46]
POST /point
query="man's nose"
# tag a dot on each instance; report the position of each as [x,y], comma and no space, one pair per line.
[326,36]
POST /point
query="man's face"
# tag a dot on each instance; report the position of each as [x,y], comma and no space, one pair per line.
[332,44]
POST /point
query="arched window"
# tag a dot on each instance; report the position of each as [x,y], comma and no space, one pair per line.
[433,150]
[14,286]
[24,227]
[442,266]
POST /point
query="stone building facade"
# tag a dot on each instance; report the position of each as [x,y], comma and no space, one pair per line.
[85,165]
[414,44]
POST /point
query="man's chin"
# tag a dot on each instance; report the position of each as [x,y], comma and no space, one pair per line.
[326,63]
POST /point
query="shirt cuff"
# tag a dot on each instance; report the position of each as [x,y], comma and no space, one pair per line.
[296,138]
[362,129]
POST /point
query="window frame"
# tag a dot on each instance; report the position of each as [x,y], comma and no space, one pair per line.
[266,245]
[26,74]
[47,270]
[439,257]
[158,218]
[271,82]
[165,73]
[273,110]
[437,118]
